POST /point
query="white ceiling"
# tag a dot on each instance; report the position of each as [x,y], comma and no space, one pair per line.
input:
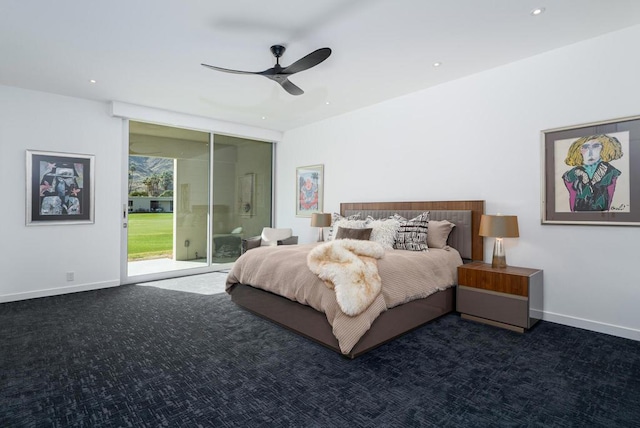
[148,52]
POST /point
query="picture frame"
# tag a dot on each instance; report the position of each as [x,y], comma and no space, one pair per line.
[59,188]
[246,203]
[591,173]
[309,190]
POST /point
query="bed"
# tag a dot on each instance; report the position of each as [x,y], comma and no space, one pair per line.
[390,323]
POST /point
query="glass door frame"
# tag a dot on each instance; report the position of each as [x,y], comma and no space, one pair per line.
[207,267]
[124,112]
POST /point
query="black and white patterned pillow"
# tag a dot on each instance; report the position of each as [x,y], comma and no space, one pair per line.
[412,234]
[335,218]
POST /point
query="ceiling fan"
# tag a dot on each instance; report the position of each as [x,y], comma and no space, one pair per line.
[280,74]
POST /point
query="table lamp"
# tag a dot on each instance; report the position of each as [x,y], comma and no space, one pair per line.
[320,220]
[499,226]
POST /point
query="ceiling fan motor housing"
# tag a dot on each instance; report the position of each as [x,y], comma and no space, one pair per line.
[278,50]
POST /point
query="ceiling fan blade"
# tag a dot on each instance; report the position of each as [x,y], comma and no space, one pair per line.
[226,70]
[290,87]
[311,60]
[278,73]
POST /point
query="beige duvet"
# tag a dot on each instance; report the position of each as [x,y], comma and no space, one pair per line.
[406,275]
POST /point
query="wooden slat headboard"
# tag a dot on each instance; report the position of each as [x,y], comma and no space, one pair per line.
[476,208]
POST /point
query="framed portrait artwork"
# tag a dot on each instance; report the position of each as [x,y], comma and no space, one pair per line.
[60,188]
[591,173]
[309,190]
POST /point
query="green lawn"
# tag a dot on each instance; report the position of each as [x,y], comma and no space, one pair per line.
[150,235]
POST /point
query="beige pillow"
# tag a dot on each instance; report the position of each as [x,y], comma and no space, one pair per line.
[271,236]
[347,233]
[438,233]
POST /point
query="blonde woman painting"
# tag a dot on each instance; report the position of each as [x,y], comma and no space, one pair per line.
[592,180]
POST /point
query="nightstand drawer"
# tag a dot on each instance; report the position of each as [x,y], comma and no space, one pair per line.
[505,308]
[511,280]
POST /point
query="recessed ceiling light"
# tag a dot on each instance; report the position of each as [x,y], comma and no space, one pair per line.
[327,103]
[92,81]
[437,64]
[264,117]
[538,11]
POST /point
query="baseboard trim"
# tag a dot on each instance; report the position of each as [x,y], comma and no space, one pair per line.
[599,327]
[57,291]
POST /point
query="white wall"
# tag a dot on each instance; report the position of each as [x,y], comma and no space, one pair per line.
[479,138]
[35,259]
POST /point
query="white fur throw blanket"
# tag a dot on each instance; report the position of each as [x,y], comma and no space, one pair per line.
[349,267]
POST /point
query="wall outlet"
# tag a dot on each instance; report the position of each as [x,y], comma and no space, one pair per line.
[71,276]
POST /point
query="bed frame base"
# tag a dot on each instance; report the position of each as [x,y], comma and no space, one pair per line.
[313,325]
[309,323]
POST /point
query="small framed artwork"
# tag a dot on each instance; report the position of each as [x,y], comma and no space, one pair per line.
[309,190]
[246,203]
[591,173]
[60,188]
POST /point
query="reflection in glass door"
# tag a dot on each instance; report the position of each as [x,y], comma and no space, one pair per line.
[242,188]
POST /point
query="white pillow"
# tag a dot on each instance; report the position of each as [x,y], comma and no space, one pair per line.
[350,224]
[383,231]
[270,236]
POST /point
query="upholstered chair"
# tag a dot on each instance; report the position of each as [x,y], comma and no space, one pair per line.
[270,237]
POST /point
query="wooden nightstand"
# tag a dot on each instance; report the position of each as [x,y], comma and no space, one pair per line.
[502,297]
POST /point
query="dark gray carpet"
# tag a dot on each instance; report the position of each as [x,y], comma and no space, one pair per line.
[146,357]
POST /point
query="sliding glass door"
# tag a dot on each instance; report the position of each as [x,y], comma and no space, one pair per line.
[184,216]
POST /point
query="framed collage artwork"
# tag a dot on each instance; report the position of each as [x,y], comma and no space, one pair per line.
[60,188]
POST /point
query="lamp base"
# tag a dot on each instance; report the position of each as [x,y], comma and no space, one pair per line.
[498,262]
[499,257]
[321,235]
